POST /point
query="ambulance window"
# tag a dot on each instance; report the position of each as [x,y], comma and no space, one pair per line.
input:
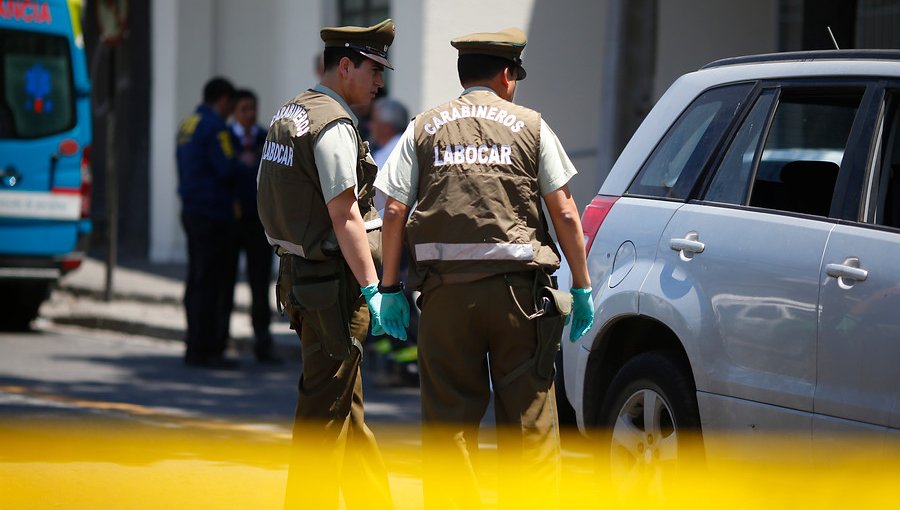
[36,92]
[677,161]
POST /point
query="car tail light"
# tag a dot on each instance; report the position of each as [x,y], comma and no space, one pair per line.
[84,190]
[71,262]
[68,147]
[593,217]
[87,180]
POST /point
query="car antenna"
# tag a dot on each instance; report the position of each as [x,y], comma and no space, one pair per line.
[833,40]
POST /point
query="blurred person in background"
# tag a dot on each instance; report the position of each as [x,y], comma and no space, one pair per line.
[250,238]
[207,170]
[396,364]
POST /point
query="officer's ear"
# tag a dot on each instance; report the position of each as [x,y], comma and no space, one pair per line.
[344,66]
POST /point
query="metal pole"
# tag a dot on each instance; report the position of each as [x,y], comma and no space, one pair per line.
[112,187]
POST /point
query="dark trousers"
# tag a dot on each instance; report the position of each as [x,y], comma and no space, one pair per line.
[206,294]
[472,338]
[251,239]
[334,452]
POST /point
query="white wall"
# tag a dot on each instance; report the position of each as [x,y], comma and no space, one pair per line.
[443,21]
[266,45]
[405,82]
[694,32]
[165,241]
[564,59]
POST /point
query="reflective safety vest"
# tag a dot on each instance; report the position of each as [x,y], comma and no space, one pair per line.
[291,204]
[479,207]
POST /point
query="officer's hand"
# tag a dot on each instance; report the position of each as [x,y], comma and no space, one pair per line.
[582,313]
[395,314]
[374,300]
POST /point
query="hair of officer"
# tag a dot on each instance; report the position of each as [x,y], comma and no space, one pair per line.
[216,88]
[332,57]
[392,112]
[245,94]
[476,67]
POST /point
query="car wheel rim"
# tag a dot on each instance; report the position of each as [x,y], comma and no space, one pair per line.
[644,443]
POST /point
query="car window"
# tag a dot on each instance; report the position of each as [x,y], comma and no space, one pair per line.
[36,92]
[803,150]
[732,179]
[887,210]
[677,161]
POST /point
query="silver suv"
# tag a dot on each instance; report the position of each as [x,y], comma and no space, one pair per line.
[745,257]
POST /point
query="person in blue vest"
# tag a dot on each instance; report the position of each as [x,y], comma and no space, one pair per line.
[207,169]
[248,138]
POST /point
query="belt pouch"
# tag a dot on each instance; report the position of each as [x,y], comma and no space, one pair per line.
[322,301]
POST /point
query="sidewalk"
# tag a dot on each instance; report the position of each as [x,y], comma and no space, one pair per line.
[147,301]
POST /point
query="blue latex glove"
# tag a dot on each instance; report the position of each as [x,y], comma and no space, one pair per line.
[582,313]
[395,314]
[374,300]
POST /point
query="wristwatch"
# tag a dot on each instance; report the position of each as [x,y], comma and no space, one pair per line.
[390,289]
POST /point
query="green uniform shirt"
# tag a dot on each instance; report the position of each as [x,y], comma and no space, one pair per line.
[399,178]
[336,164]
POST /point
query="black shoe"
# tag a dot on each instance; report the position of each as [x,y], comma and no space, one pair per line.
[269,358]
[212,362]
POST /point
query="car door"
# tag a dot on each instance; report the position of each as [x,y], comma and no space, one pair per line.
[747,255]
[859,323]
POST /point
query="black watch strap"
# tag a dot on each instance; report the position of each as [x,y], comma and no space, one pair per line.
[390,289]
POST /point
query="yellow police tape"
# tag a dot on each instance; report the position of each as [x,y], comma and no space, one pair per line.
[82,464]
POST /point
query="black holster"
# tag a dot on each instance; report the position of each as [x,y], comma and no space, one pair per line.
[551,308]
[320,291]
[556,305]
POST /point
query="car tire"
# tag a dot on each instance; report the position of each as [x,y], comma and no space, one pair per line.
[19,304]
[652,387]
[564,409]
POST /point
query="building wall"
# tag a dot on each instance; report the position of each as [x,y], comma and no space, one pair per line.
[691,33]
[565,58]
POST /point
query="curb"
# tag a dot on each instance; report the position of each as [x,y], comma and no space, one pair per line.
[131,320]
[99,295]
[121,326]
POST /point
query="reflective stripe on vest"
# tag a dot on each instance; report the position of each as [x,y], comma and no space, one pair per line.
[298,250]
[374,224]
[295,249]
[474,251]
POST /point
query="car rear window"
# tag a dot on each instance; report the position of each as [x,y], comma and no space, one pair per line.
[36,91]
[675,164]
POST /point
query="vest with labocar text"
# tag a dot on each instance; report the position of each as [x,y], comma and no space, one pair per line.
[479,209]
[289,197]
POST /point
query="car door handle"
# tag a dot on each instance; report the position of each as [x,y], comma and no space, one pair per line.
[689,244]
[849,270]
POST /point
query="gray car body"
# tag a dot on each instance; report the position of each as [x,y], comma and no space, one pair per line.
[773,342]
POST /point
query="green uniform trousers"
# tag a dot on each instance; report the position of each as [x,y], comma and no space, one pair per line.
[472,336]
[333,450]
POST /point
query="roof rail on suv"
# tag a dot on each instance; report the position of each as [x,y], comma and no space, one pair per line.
[808,56]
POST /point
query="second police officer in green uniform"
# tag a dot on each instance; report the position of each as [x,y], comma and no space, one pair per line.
[315,200]
[476,169]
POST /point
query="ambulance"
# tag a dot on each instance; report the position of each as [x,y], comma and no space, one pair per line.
[45,152]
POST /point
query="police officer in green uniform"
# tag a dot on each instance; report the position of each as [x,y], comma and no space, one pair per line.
[315,200]
[476,169]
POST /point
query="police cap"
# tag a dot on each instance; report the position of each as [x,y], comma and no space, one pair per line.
[371,42]
[507,44]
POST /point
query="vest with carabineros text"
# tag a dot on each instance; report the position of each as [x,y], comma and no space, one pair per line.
[479,209]
[289,196]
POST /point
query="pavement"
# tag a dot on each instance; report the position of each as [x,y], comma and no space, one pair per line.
[147,300]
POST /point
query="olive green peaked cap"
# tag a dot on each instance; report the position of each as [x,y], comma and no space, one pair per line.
[507,44]
[371,42]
